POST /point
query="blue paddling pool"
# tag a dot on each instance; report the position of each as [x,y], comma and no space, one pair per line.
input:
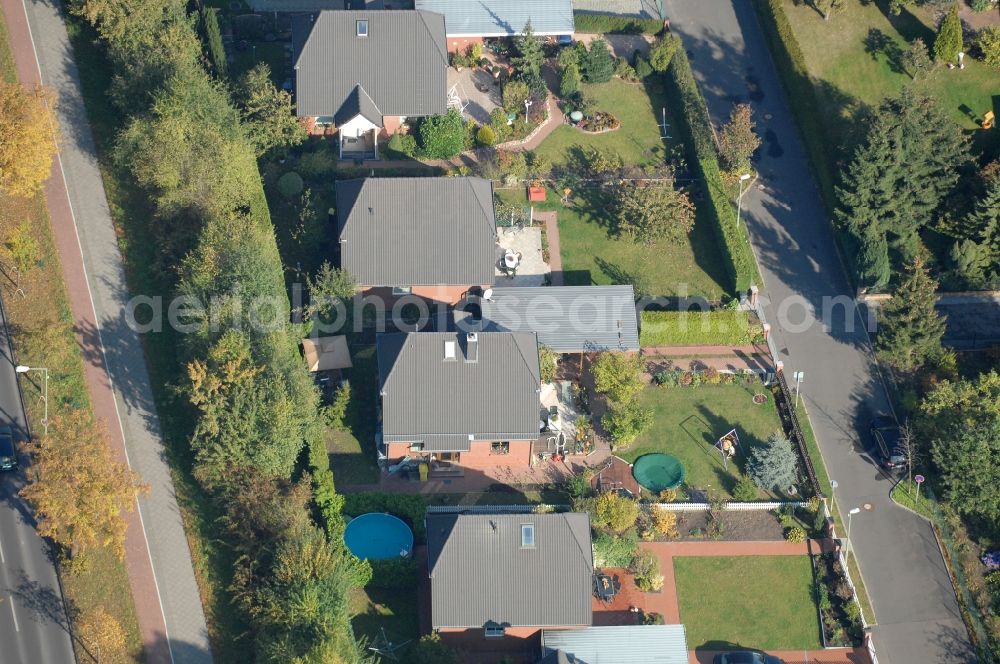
[376,536]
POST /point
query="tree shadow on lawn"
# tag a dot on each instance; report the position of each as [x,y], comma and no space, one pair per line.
[877,43]
[906,23]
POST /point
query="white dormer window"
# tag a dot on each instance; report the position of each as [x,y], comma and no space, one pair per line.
[362,27]
[527,535]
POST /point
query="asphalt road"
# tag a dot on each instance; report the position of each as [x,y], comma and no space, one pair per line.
[33,626]
[918,619]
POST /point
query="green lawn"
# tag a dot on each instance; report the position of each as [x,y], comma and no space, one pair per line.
[699,328]
[591,255]
[352,452]
[637,106]
[854,58]
[688,420]
[761,602]
[394,610]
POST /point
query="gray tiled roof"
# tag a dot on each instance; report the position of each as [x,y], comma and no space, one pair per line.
[567,319]
[401,64]
[635,644]
[417,231]
[480,573]
[440,402]
[358,103]
[497,18]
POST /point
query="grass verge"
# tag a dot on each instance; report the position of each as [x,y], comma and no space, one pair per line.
[41,325]
[723,606]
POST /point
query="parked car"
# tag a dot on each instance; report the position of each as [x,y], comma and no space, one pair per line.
[8,451]
[746,657]
[886,441]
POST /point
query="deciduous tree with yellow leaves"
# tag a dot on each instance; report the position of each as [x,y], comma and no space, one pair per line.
[81,492]
[29,130]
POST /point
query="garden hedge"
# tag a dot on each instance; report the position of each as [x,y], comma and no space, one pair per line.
[698,328]
[791,66]
[615,24]
[213,40]
[717,209]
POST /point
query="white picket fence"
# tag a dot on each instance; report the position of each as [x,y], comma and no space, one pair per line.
[731,506]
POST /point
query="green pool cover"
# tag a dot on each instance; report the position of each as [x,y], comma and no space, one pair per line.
[657,472]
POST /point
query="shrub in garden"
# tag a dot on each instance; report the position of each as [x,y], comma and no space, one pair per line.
[662,52]
[624,70]
[669,495]
[485,136]
[667,378]
[290,184]
[948,42]
[795,535]
[430,649]
[317,164]
[645,568]
[625,421]
[618,376]
[599,65]
[772,465]
[402,145]
[514,95]
[665,522]
[395,573]
[337,411]
[569,83]
[615,512]
[642,67]
[738,140]
[988,41]
[442,136]
[745,490]
[612,550]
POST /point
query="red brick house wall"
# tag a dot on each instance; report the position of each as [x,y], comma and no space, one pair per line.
[478,457]
[447,294]
[459,44]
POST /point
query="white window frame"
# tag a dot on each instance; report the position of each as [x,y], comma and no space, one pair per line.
[361,27]
[528,528]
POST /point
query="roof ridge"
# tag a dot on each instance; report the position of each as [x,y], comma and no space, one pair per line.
[471,181]
[395,360]
[579,545]
[423,21]
[514,338]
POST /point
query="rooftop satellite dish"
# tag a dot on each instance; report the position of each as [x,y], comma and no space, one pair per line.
[488,294]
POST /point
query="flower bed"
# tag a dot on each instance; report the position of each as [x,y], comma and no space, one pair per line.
[840,615]
[599,122]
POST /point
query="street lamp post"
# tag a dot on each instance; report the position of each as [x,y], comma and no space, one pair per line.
[21,368]
[739,199]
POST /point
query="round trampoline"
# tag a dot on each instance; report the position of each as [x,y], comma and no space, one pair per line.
[657,472]
[376,536]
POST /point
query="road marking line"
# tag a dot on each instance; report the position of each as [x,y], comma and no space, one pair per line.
[12,613]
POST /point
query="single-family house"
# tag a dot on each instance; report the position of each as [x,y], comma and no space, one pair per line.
[459,401]
[469,22]
[364,72]
[506,577]
[430,237]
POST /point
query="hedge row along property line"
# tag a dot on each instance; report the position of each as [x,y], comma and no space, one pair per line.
[698,328]
[615,24]
[791,65]
[741,267]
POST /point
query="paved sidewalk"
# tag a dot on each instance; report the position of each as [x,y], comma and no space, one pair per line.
[917,614]
[158,560]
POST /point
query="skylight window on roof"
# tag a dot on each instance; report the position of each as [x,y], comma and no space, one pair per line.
[527,535]
[362,27]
